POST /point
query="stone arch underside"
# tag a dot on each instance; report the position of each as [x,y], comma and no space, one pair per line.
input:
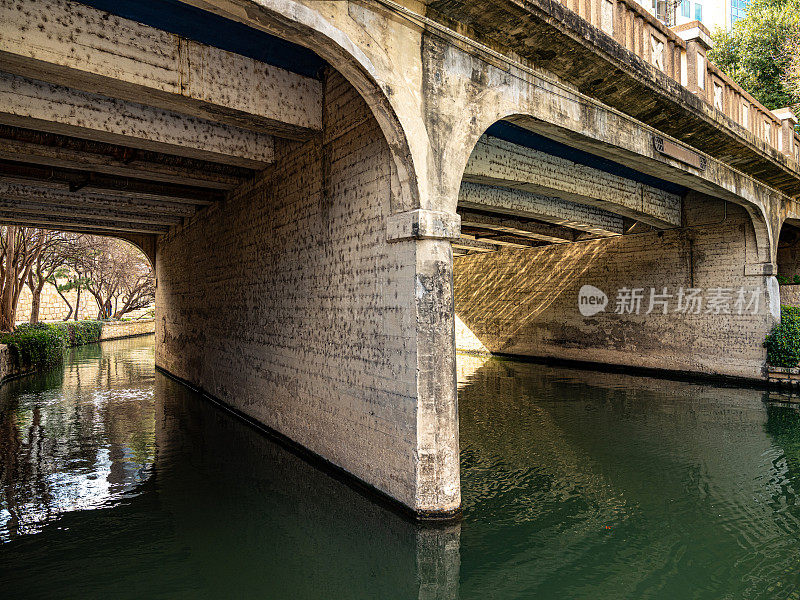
[525,301]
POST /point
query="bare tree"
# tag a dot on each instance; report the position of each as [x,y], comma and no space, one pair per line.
[51,256]
[20,248]
[116,274]
[62,273]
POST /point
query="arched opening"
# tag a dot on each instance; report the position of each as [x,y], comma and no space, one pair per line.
[788,263]
[52,276]
[577,256]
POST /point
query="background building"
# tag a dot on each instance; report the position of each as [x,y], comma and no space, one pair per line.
[712,13]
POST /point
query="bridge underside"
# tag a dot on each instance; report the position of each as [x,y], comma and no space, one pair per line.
[540,221]
[298,280]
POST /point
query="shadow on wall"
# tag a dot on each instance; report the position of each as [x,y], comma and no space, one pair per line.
[500,297]
[525,302]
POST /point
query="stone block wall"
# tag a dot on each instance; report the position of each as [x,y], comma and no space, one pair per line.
[525,302]
[788,255]
[123,329]
[53,307]
[790,295]
[287,302]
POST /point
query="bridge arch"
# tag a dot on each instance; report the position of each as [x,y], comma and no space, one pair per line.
[544,217]
[307,27]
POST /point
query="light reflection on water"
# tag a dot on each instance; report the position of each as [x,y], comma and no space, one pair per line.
[77,438]
[117,482]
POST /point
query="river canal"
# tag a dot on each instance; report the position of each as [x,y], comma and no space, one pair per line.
[117,482]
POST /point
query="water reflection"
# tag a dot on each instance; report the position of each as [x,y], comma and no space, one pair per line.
[75,438]
[118,482]
[217,510]
[607,486]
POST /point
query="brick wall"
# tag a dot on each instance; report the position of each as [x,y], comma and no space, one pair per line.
[286,301]
[525,301]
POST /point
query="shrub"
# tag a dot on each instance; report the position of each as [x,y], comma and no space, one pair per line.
[782,279]
[82,332]
[42,345]
[35,346]
[790,311]
[783,342]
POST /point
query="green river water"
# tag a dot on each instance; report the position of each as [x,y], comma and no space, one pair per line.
[117,482]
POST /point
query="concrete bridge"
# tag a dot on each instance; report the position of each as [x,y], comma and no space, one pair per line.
[303,173]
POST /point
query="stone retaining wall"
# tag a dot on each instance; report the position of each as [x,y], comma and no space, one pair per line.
[123,329]
[111,331]
[53,308]
[790,295]
[784,377]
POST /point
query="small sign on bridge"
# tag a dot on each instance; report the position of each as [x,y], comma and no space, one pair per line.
[681,153]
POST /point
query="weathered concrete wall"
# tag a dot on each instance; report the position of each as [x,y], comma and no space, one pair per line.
[288,303]
[788,255]
[526,301]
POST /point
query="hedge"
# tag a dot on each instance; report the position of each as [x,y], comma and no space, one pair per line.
[43,344]
[783,342]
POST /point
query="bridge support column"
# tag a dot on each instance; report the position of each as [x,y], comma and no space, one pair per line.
[304,304]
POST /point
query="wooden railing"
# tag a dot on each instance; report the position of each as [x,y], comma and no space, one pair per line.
[681,53]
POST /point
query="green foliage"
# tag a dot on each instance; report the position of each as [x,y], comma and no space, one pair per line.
[783,342]
[82,332]
[36,346]
[756,51]
[42,345]
[792,312]
[788,280]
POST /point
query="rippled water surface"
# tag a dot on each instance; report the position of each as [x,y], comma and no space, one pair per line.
[116,482]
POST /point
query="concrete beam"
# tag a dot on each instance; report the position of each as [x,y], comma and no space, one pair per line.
[122,187]
[501,163]
[26,219]
[73,158]
[544,232]
[50,211]
[53,195]
[465,243]
[64,42]
[505,240]
[534,206]
[36,105]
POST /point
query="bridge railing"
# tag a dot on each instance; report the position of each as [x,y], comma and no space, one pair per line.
[681,52]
